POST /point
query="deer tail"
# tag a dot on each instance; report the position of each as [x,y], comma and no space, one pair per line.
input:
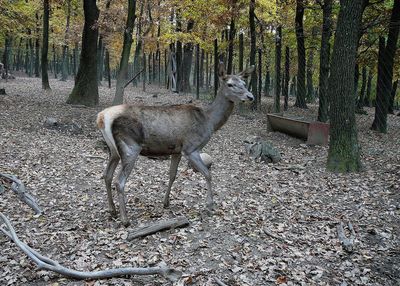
[104,122]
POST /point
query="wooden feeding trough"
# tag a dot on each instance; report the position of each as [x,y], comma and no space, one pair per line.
[316,133]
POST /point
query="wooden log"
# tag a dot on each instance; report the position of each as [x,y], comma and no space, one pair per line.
[159,226]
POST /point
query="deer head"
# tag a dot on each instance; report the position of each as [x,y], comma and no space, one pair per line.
[233,86]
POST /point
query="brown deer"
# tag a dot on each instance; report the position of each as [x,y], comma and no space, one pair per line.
[130,131]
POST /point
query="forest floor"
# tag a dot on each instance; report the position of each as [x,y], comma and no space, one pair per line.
[273,224]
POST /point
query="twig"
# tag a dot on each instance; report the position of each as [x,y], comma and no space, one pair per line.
[267,232]
[158,226]
[95,157]
[136,75]
[18,187]
[347,243]
[219,282]
[46,263]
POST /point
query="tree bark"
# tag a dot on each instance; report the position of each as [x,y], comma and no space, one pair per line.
[360,102]
[232,32]
[287,77]
[324,61]
[126,49]
[301,56]
[45,45]
[385,70]
[86,90]
[344,151]
[253,80]
[215,67]
[278,56]
[37,47]
[367,98]
[186,66]
[392,96]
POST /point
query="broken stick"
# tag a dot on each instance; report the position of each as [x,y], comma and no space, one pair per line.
[18,187]
[346,242]
[46,263]
[158,226]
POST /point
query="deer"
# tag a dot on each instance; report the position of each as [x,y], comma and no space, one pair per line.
[175,130]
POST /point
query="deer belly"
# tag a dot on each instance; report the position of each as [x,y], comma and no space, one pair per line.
[161,148]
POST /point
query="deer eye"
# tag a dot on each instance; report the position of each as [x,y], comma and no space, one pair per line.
[230,85]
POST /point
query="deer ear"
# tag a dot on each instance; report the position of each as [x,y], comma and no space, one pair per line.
[247,72]
[221,70]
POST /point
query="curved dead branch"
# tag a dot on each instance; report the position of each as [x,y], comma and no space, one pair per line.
[18,187]
[46,263]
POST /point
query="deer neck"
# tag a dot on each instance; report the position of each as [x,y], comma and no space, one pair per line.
[219,111]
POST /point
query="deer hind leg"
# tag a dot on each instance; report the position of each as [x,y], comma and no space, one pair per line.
[195,159]
[108,176]
[129,154]
[175,159]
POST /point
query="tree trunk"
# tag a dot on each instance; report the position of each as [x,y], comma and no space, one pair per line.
[259,77]
[215,67]
[392,96]
[202,68]
[100,59]
[197,71]
[367,98]
[126,48]
[344,151]
[324,61]
[385,70]
[310,88]
[86,90]
[45,45]
[186,66]
[301,56]
[287,77]
[360,102]
[232,32]
[278,56]
[253,80]
[37,47]
[241,49]
[108,70]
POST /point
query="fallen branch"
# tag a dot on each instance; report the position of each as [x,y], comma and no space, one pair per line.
[347,243]
[267,232]
[18,187]
[158,226]
[46,263]
[219,282]
[136,75]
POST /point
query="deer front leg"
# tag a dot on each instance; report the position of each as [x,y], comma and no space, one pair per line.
[129,155]
[173,168]
[197,163]
[108,176]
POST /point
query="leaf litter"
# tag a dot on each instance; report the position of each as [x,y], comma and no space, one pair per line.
[273,225]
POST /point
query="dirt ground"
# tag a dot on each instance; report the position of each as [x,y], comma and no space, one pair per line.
[273,224]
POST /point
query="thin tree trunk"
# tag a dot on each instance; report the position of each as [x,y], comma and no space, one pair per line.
[108,68]
[86,90]
[278,56]
[367,98]
[197,71]
[392,96]
[385,70]
[126,48]
[287,77]
[324,61]
[360,102]
[344,150]
[253,81]
[45,45]
[215,67]
[310,88]
[232,32]
[37,47]
[301,56]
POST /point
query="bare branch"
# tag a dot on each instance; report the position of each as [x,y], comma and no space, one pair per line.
[18,187]
[46,263]
[163,225]
[347,243]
